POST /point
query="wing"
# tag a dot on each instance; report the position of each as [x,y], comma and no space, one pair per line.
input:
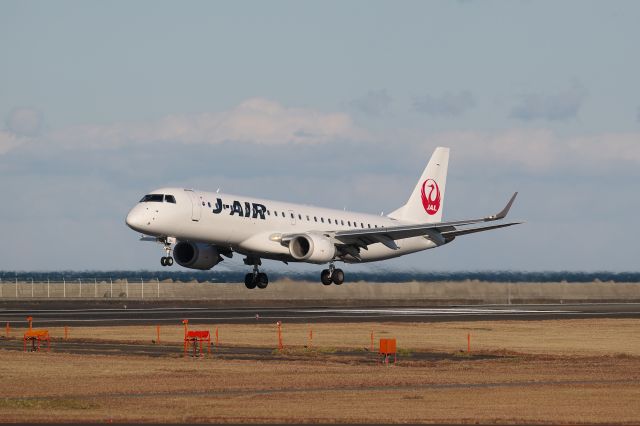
[441,232]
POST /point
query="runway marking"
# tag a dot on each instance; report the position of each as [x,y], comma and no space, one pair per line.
[116,316]
[263,318]
[379,311]
[431,311]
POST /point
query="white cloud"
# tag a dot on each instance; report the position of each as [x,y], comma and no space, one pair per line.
[25,121]
[8,141]
[256,120]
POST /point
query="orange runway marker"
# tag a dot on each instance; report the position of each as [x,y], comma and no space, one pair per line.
[387,347]
[196,337]
[35,337]
[280,345]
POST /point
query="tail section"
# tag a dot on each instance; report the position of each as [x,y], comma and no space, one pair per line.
[427,199]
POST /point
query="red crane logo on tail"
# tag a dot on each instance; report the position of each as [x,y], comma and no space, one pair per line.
[431,201]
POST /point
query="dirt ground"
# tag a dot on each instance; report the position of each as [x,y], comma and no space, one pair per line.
[569,371]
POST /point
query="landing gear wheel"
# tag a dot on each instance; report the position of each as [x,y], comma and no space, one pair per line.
[249,282]
[166,260]
[325,277]
[262,280]
[337,277]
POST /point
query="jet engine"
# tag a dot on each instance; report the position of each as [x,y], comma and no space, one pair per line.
[196,255]
[312,248]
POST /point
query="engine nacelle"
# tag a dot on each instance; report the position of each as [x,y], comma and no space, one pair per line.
[312,248]
[196,255]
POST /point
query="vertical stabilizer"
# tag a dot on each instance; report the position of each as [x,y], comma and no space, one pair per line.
[427,199]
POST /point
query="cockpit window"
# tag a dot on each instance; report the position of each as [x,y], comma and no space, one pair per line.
[157,198]
[172,199]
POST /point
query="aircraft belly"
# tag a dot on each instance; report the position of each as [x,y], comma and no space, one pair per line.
[260,243]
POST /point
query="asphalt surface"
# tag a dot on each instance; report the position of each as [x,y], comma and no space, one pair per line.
[77,314]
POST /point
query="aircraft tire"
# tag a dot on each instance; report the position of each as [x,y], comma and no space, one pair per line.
[169,261]
[325,277]
[163,261]
[262,281]
[249,282]
[337,277]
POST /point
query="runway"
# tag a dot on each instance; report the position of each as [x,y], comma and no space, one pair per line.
[76,314]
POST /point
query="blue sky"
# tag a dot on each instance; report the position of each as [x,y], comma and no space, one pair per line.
[101,102]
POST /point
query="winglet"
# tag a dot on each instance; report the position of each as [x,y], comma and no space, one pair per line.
[504,211]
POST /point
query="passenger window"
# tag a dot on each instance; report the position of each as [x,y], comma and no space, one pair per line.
[369,225]
[322,219]
[315,218]
[170,199]
[275,213]
[299,216]
[341,222]
[349,222]
[307,218]
[268,213]
[329,220]
[292,216]
[361,225]
[282,214]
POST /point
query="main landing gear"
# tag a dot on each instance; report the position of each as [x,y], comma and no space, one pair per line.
[256,278]
[166,260]
[332,275]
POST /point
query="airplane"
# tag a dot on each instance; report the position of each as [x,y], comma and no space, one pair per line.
[202,227]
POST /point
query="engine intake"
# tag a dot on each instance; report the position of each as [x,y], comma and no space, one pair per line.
[312,248]
[196,255]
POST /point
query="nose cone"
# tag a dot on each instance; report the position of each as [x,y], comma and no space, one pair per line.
[136,219]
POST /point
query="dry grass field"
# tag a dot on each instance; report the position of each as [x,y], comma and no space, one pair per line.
[586,337]
[569,371]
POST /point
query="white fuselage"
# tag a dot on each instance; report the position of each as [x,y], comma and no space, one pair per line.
[252,226]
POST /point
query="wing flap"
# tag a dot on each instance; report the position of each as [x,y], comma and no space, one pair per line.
[458,232]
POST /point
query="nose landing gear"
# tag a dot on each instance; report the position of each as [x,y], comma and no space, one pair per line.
[166,260]
[332,275]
